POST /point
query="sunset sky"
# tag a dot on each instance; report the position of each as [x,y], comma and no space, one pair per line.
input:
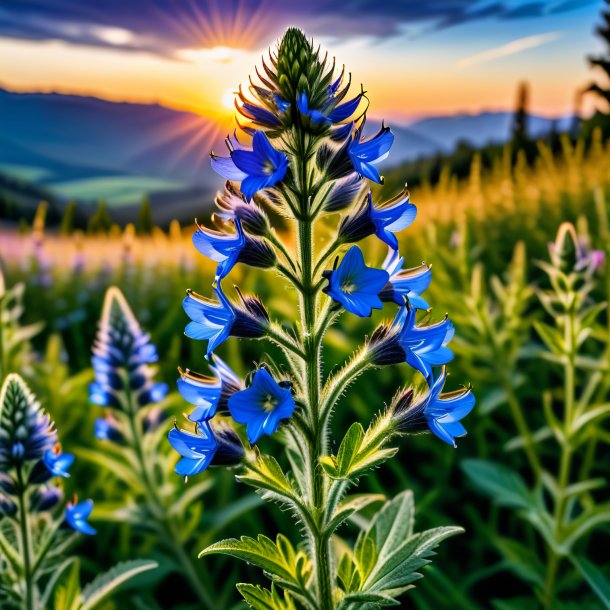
[414,58]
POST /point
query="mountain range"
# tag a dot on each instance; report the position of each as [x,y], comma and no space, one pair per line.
[87,148]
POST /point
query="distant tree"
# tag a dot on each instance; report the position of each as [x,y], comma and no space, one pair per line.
[100,222]
[521,118]
[144,225]
[602,89]
[68,219]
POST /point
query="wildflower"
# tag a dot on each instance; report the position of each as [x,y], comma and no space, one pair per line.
[356,286]
[405,283]
[122,347]
[256,169]
[327,115]
[77,515]
[58,463]
[441,413]
[45,497]
[227,250]
[422,347]
[262,405]
[108,429]
[216,321]
[366,154]
[201,448]
[571,252]
[26,430]
[389,218]
[342,193]
[208,394]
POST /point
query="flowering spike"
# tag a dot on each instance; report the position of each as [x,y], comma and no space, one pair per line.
[122,355]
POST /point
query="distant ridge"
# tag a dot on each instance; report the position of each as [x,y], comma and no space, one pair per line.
[89,148]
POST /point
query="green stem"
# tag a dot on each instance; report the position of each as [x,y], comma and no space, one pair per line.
[566,454]
[158,509]
[320,544]
[26,544]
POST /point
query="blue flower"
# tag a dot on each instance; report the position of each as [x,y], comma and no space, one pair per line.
[208,393]
[409,283]
[326,116]
[77,515]
[420,346]
[424,346]
[205,447]
[256,169]
[262,405]
[443,412]
[122,354]
[215,321]
[58,463]
[227,250]
[220,247]
[389,218]
[107,429]
[365,154]
[197,450]
[355,285]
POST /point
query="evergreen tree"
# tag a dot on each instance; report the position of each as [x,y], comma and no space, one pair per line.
[602,89]
[521,118]
[100,222]
[144,225]
[68,219]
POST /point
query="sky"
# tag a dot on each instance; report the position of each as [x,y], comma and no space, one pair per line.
[415,58]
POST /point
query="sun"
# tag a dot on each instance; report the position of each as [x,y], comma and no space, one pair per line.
[228,98]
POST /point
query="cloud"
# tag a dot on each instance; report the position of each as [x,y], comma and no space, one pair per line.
[511,48]
[166,27]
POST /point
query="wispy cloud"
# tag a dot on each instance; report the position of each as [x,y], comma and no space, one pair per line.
[511,48]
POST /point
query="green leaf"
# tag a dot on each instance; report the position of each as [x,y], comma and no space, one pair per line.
[278,559]
[521,561]
[359,451]
[266,474]
[388,554]
[105,584]
[594,577]
[67,593]
[110,464]
[551,337]
[259,598]
[349,506]
[9,553]
[504,486]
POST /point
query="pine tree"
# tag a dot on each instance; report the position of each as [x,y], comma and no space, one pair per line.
[100,222]
[521,118]
[144,225]
[68,219]
[602,89]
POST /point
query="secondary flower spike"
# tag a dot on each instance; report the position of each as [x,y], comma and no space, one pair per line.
[356,286]
[256,169]
[262,405]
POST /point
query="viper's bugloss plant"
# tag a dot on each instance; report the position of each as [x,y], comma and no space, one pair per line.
[129,432]
[37,526]
[310,159]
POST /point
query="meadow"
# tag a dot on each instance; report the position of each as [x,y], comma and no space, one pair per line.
[532,335]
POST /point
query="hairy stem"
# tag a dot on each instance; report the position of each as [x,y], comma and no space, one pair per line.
[26,544]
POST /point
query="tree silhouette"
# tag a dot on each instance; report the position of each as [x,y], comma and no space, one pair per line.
[602,62]
[521,117]
[144,225]
[100,222]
